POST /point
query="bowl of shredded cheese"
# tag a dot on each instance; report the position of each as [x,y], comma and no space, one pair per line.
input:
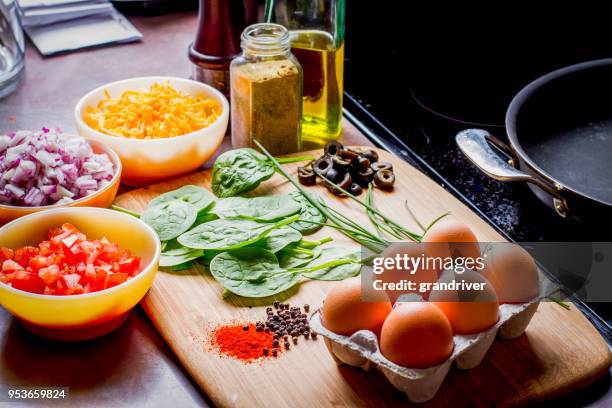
[161,127]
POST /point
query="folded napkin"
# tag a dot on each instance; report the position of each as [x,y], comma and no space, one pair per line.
[37,16]
[56,26]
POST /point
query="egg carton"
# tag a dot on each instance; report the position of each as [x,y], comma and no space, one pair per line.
[420,385]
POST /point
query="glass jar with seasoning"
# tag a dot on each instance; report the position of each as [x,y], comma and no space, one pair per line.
[266,91]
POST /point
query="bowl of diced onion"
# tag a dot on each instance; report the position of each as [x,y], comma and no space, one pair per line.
[161,127]
[46,169]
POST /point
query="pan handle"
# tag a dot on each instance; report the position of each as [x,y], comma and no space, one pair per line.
[475,144]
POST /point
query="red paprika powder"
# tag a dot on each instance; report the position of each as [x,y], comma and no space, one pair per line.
[245,345]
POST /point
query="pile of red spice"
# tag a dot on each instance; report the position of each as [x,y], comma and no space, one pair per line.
[249,342]
[245,345]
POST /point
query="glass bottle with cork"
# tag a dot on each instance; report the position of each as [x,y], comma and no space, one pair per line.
[266,91]
[317,40]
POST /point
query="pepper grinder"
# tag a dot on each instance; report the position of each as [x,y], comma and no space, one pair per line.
[217,42]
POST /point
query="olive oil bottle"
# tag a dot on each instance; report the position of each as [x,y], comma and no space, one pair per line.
[322,61]
[317,41]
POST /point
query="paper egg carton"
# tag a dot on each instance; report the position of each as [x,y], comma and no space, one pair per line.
[420,385]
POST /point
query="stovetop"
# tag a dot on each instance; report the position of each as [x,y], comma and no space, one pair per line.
[412,100]
[509,207]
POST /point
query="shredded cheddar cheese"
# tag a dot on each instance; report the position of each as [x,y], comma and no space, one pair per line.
[159,112]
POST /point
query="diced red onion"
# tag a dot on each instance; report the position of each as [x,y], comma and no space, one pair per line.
[4,142]
[15,191]
[46,167]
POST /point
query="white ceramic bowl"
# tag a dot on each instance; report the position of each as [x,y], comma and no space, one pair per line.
[149,160]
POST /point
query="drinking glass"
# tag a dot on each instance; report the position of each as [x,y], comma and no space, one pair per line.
[12,59]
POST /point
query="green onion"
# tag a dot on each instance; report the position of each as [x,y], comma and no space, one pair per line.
[349,228]
[124,210]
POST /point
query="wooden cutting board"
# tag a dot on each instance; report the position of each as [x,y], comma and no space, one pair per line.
[560,352]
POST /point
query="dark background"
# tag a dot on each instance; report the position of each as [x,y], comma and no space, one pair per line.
[415,76]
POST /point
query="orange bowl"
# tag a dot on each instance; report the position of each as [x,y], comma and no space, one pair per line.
[102,198]
[89,315]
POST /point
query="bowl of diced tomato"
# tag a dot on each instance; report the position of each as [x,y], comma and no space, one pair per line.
[75,273]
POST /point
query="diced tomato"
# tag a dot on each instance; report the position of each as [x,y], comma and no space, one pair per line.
[23,255]
[67,264]
[89,271]
[10,266]
[38,262]
[110,253]
[114,279]
[49,274]
[70,240]
[71,280]
[30,282]
[6,253]
[129,265]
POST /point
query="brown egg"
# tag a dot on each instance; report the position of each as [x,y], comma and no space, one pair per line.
[512,272]
[395,275]
[416,335]
[468,311]
[451,238]
[345,312]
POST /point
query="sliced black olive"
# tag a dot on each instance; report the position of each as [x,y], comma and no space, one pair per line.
[372,155]
[348,154]
[333,175]
[384,179]
[344,184]
[355,189]
[307,176]
[333,147]
[382,166]
[322,165]
[340,163]
[365,177]
[361,162]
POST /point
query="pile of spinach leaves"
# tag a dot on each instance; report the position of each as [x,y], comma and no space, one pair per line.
[253,246]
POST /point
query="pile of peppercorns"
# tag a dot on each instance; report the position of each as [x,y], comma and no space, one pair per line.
[287,321]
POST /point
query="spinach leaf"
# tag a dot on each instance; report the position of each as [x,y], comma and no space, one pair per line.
[175,254]
[251,272]
[205,217]
[171,219]
[239,171]
[308,212]
[278,239]
[224,234]
[339,272]
[265,208]
[290,258]
[199,197]
[182,267]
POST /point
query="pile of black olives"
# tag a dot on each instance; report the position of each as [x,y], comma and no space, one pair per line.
[352,170]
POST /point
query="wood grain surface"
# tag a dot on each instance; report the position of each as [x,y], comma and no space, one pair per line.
[560,352]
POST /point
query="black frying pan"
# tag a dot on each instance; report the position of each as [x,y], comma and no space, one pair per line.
[560,132]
